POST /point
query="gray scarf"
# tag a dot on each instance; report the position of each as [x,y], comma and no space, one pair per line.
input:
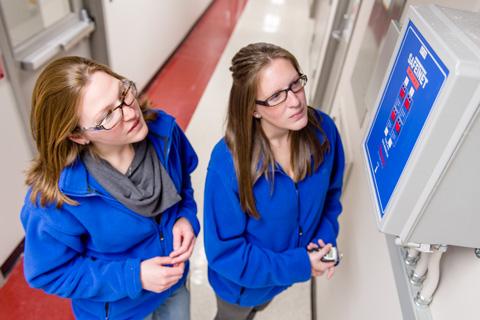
[146,188]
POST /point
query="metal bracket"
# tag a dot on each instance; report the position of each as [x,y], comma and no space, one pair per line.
[422,247]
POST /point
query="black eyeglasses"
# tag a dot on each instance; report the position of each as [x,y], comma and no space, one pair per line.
[281,95]
[114,116]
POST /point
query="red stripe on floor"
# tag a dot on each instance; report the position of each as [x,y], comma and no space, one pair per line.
[179,85]
[19,301]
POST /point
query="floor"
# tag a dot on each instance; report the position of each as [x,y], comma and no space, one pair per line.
[178,86]
[283,22]
[193,86]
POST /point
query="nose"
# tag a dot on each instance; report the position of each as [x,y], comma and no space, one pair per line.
[129,112]
[292,99]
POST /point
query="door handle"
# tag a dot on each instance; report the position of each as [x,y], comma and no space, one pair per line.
[79,32]
[64,42]
[337,34]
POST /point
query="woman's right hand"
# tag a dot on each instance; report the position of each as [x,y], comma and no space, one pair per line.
[318,266]
[158,274]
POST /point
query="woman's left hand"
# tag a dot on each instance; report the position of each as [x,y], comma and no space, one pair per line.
[318,272]
[183,241]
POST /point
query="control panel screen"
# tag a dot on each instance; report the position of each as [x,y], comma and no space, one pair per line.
[412,88]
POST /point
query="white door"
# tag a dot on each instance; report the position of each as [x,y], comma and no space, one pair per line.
[332,63]
[32,33]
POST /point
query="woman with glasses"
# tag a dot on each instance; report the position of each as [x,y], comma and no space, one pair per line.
[109,217]
[272,193]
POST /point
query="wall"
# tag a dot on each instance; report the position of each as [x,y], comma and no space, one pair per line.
[364,286]
[14,160]
[140,38]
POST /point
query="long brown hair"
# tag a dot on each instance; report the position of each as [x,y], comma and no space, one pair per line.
[244,136]
[54,118]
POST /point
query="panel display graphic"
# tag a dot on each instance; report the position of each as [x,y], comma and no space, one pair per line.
[408,97]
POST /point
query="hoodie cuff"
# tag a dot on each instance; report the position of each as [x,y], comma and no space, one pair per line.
[326,233]
[300,266]
[132,278]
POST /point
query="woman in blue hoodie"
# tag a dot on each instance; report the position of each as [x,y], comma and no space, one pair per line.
[273,186]
[109,217]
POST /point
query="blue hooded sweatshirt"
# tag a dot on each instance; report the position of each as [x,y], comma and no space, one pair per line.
[252,260]
[91,253]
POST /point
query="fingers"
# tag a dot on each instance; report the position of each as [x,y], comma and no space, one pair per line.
[323,267]
[170,275]
[162,286]
[324,250]
[186,244]
[167,272]
[174,271]
[317,273]
[321,243]
[177,238]
[317,264]
[185,255]
[162,260]
[319,267]
[181,248]
[159,278]
[182,237]
[330,273]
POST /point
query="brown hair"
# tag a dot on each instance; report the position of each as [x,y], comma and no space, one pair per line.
[244,135]
[54,117]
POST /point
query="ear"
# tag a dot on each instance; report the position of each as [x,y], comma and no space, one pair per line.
[78,138]
[257,115]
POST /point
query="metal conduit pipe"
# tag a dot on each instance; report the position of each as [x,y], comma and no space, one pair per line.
[418,274]
[424,297]
[412,256]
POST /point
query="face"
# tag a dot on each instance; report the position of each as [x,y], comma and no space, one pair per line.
[290,114]
[101,95]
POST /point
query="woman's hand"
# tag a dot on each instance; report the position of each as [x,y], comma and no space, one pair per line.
[158,274]
[183,241]
[319,267]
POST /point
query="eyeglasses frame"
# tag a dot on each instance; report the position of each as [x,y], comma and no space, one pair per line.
[265,102]
[100,127]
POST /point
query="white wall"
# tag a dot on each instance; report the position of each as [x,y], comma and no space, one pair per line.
[364,286]
[15,157]
[142,36]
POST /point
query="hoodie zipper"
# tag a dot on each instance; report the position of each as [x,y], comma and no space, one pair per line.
[166,150]
[161,235]
[300,231]
[295,184]
[242,290]
[107,310]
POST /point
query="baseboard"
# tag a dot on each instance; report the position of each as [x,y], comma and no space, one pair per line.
[8,265]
